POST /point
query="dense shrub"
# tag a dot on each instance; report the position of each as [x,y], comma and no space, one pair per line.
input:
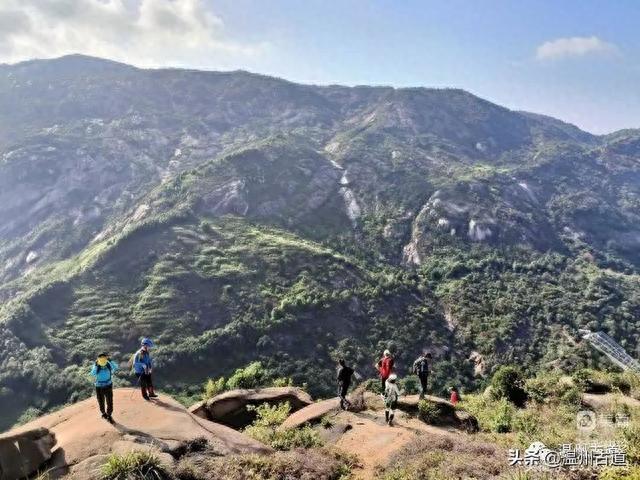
[548,387]
[430,412]
[253,375]
[492,415]
[592,381]
[508,383]
[265,429]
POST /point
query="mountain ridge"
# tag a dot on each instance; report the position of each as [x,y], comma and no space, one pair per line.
[253,218]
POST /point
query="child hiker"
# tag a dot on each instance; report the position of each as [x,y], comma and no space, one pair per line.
[103,369]
[391,395]
[455,396]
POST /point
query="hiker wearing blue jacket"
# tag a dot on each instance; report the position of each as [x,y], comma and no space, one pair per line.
[103,369]
[143,367]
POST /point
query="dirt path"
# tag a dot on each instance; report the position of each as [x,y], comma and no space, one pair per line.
[374,442]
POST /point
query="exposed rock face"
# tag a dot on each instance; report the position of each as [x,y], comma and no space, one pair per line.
[230,408]
[449,415]
[84,438]
[24,453]
[311,413]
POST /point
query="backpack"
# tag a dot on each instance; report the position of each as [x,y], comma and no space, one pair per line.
[107,366]
[421,366]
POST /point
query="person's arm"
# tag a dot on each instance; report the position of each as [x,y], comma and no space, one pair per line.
[94,370]
[114,366]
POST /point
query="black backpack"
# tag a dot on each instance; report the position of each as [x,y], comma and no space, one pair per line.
[421,366]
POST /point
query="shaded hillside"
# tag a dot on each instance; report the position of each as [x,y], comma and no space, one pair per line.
[236,217]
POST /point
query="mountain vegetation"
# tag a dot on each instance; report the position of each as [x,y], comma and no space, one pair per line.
[237,218]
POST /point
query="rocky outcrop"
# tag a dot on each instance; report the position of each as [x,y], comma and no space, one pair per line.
[230,408]
[24,453]
[448,415]
[84,439]
[311,414]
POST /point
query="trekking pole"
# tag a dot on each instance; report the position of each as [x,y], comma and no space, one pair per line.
[136,387]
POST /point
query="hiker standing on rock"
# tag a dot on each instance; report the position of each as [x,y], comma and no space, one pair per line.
[344,381]
[103,369]
[385,367]
[421,369]
[391,396]
[143,367]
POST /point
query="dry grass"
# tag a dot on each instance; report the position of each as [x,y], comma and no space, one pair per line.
[311,464]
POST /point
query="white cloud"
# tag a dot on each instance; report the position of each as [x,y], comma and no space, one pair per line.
[142,32]
[574,47]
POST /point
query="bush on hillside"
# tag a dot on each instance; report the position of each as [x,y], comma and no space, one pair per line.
[630,437]
[214,387]
[134,466]
[508,382]
[492,415]
[430,412]
[592,381]
[373,385]
[265,429]
[548,387]
[253,375]
[410,385]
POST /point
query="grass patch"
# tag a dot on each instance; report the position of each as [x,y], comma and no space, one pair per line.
[134,466]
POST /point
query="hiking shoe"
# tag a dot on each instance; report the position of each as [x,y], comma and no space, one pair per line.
[153,395]
[145,397]
[110,419]
[105,416]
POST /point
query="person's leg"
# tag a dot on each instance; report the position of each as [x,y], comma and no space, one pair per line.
[100,397]
[386,415]
[423,385]
[152,392]
[109,396]
[384,383]
[143,385]
[344,403]
[392,412]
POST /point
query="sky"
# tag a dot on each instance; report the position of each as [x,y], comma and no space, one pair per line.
[576,60]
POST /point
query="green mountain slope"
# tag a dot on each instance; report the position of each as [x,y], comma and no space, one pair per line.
[237,217]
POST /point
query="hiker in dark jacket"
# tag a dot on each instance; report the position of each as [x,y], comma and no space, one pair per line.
[344,382]
[103,369]
[421,369]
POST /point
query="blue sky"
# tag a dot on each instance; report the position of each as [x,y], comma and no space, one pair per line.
[575,60]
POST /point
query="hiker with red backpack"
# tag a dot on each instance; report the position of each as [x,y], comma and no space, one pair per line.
[385,367]
[103,369]
[143,367]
